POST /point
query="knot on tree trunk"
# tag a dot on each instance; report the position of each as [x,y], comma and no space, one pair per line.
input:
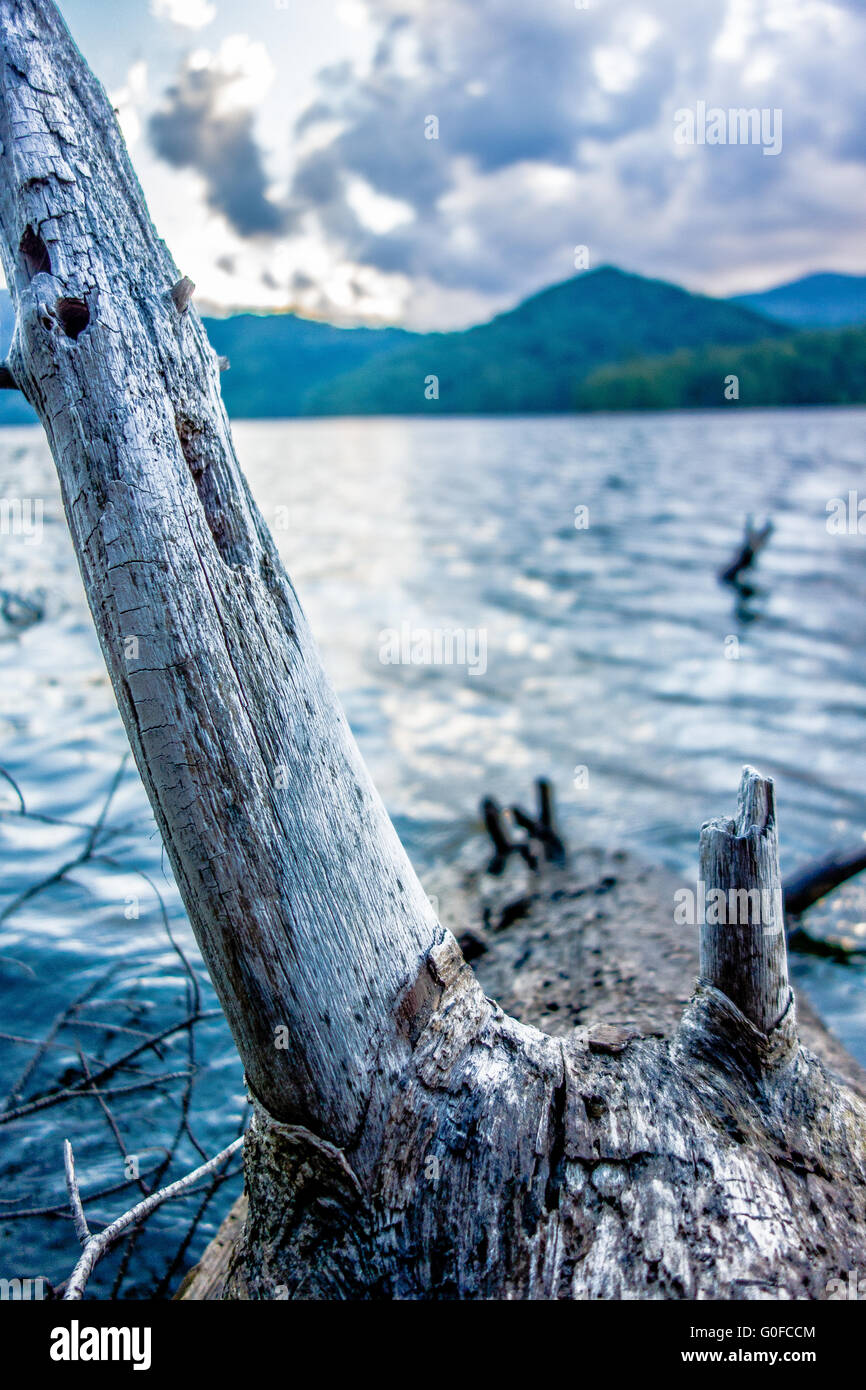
[181,293]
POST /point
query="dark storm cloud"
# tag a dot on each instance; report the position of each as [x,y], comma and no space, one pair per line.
[590,93]
[191,132]
[555,129]
[510,87]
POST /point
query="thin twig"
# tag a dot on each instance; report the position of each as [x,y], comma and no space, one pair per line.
[56,1025]
[100,1244]
[108,831]
[174,1264]
[56,1046]
[7,777]
[111,863]
[84,1090]
[88,1085]
[63,1211]
[83,856]
[82,1230]
[114,1127]
[183,1127]
[56,1097]
[110,1028]
[194,1006]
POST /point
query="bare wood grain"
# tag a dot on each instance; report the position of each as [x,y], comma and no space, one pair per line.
[743,947]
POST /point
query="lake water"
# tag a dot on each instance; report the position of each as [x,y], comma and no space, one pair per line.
[610,649]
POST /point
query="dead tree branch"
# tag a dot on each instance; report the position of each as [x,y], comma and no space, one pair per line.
[97,1246]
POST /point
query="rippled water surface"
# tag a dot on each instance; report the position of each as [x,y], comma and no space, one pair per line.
[607,648]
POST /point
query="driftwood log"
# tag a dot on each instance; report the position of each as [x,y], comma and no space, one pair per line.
[815,881]
[587,947]
[409,1139]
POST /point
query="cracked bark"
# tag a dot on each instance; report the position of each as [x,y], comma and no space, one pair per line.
[306,909]
[410,1140]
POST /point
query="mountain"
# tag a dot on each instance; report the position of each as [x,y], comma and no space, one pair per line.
[602,340]
[14,410]
[818,367]
[817,301]
[530,358]
[277,360]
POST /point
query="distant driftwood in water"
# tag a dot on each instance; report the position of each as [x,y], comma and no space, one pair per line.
[409,1139]
[753,543]
[815,881]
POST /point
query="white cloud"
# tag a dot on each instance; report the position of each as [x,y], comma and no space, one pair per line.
[353,13]
[732,43]
[376,210]
[127,101]
[556,130]
[207,123]
[245,68]
[187,14]
[615,68]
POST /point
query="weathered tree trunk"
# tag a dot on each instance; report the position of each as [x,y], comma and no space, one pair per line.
[411,1140]
[306,909]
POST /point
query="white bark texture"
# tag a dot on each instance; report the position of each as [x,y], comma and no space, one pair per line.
[412,1140]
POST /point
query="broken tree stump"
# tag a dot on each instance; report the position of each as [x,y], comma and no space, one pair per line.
[743,949]
[593,947]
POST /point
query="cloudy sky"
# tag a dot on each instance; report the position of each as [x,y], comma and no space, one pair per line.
[282,144]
